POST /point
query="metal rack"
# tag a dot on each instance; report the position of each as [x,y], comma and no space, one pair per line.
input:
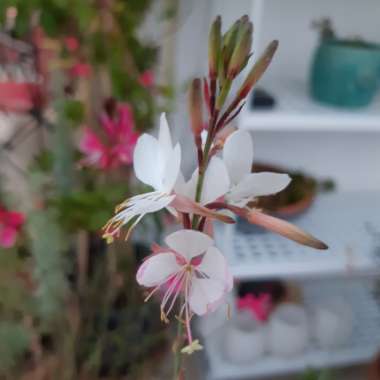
[347,222]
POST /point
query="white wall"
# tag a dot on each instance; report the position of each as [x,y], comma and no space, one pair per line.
[352,159]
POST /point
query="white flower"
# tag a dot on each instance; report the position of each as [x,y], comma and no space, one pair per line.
[246,186]
[156,163]
[216,182]
[192,267]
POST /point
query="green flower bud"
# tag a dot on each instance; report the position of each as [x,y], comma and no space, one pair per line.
[241,51]
[214,47]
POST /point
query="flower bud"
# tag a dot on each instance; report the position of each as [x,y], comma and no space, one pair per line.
[241,51]
[257,70]
[229,42]
[195,107]
[214,47]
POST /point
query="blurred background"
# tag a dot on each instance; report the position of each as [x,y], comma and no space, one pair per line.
[77,88]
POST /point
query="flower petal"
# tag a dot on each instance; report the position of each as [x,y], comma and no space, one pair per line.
[238,155]
[157,269]
[216,182]
[147,163]
[189,243]
[204,293]
[164,137]
[214,266]
[256,185]
[136,207]
[171,170]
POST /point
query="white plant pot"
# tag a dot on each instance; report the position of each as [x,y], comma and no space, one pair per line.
[332,323]
[288,330]
[244,339]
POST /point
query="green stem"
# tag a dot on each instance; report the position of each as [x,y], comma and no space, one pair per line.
[202,171]
[177,353]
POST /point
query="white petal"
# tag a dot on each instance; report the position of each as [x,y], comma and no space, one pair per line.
[171,170]
[216,182]
[148,167]
[238,155]
[180,185]
[191,186]
[156,269]
[164,137]
[214,265]
[139,205]
[259,184]
[189,243]
[204,293]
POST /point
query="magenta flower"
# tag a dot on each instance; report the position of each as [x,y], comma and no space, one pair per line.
[147,79]
[259,306]
[116,147]
[10,224]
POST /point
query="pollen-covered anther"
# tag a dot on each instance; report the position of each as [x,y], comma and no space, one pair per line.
[192,347]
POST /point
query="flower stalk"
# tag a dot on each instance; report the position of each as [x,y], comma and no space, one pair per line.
[191,263]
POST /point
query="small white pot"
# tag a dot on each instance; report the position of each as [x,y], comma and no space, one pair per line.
[332,323]
[288,330]
[244,339]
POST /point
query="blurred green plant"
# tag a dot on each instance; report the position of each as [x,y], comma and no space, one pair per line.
[78,295]
[312,374]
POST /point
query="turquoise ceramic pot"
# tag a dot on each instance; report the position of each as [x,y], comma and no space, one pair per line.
[345,74]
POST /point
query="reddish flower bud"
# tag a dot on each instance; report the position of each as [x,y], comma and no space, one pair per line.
[195,107]
[257,70]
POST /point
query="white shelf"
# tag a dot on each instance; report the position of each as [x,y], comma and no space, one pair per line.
[348,222]
[296,111]
[363,344]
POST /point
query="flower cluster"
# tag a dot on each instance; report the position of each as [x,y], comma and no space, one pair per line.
[116,147]
[190,270]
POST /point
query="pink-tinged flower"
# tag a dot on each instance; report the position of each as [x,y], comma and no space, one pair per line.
[116,149]
[191,267]
[10,224]
[81,70]
[147,79]
[259,306]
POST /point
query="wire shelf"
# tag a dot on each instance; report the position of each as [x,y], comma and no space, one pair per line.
[348,222]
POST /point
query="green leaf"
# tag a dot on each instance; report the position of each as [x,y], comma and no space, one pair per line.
[74,111]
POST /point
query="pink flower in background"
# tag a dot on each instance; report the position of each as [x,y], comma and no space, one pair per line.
[81,70]
[115,148]
[147,79]
[71,43]
[10,224]
[259,306]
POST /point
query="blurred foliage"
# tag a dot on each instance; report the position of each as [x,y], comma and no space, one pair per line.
[79,293]
[312,374]
[47,246]
[14,344]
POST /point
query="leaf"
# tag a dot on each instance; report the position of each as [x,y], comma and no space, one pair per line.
[74,111]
